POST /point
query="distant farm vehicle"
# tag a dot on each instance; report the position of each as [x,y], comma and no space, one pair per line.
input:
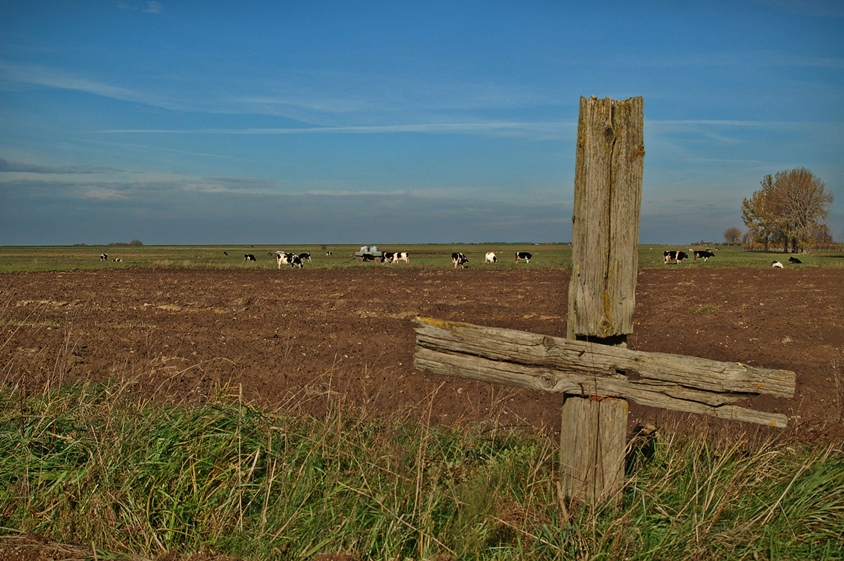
[369,253]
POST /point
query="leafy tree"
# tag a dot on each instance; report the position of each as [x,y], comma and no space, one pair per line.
[732,235]
[788,209]
[757,214]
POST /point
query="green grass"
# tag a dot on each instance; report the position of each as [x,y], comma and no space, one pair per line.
[90,464]
[422,256]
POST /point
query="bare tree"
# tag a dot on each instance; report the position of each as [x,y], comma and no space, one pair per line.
[732,235]
[803,202]
[787,209]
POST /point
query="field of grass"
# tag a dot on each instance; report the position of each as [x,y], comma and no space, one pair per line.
[129,478]
[427,256]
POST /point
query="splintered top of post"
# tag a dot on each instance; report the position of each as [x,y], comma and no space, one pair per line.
[605,230]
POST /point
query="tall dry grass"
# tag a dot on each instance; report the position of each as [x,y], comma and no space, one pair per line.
[92,464]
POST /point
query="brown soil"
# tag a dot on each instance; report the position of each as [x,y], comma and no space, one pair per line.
[309,338]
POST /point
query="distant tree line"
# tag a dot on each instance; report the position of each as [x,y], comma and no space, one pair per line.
[124,244]
[789,209]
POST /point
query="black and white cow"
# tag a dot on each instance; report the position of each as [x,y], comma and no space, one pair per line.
[459,259]
[117,260]
[490,257]
[523,255]
[305,256]
[776,265]
[794,261]
[672,255]
[704,254]
[103,256]
[285,258]
[249,257]
[396,256]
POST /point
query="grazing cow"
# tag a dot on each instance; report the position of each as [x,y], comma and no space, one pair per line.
[284,258]
[459,259]
[305,256]
[673,255]
[249,257]
[328,254]
[776,265]
[704,254]
[490,257]
[395,256]
[523,255]
[225,253]
[794,261]
[103,256]
[117,260]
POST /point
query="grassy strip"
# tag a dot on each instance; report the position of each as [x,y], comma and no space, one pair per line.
[88,464]
[422,256]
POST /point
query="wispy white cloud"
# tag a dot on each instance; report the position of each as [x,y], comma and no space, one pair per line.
[286,103]
[349,113]
[21,167]
[545,130]
[149,7]
[102,194]
[52,77]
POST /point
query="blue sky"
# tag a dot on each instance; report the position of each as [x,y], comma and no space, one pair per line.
[399,122]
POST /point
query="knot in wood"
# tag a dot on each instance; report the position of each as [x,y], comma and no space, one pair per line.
[548,380]
[609,134]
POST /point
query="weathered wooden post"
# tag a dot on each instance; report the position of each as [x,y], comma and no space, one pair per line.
[592,366]
[605,230]
[602,291]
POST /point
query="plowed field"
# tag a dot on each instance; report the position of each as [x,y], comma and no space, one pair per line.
[308,339]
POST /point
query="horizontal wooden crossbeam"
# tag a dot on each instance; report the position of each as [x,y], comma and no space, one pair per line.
[555,364]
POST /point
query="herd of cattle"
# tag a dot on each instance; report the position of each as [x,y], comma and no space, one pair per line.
[459,259]
[678,256]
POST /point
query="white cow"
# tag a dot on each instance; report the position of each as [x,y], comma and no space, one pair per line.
[490,257]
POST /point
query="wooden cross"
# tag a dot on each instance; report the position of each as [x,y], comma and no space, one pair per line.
[592,366]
